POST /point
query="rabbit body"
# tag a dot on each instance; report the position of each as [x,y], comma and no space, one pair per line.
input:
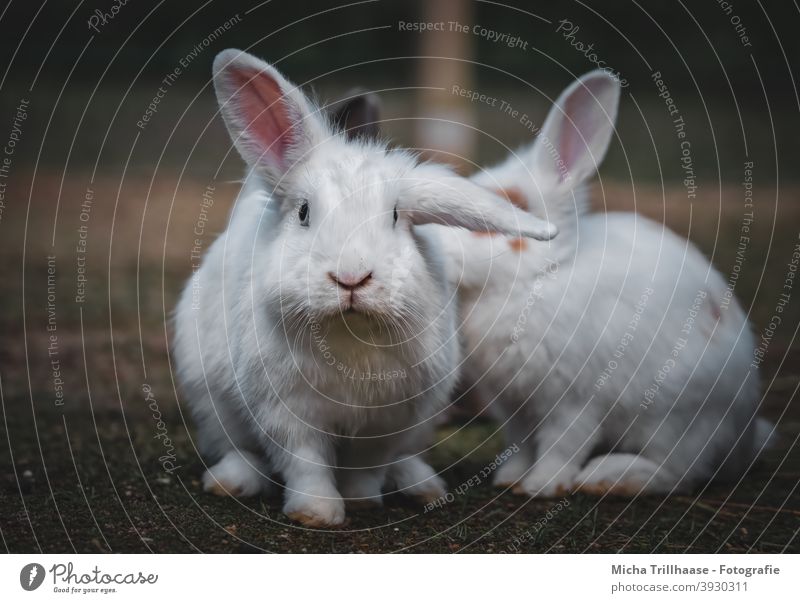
[258,385]
[317,339]
[612,348]
[614,355]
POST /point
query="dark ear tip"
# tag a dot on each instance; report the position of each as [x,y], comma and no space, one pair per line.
[359,96]
[357,114]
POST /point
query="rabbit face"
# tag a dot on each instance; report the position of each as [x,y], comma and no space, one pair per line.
[344,245]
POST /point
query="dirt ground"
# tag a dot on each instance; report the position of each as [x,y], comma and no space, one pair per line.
[92,483]
[86,472]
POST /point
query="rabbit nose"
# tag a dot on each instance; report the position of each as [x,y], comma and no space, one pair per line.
[350,280]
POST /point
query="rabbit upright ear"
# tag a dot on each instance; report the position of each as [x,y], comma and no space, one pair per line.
[358,115]
[577,131]
[438,196]
[269,119]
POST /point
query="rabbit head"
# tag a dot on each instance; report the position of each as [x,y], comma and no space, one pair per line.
[545,178]
[337,230]
[569,147]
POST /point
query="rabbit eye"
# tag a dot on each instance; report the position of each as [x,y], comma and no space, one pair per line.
[395,214]
[302,213]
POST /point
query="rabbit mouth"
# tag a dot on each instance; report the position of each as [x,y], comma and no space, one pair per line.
[360,308]
[354,303]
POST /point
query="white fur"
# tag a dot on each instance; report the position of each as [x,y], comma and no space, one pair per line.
[540,327]
[238,473]
[275,359]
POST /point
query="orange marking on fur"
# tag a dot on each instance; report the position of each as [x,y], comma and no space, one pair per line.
[505,485]
[715,312]
[221,489]
[561,490]
[516,198]
[519,244]
[514,195]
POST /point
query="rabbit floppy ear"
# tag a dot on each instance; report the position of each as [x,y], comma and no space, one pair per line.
[577,131]
[435,195]
[358,115]
[270,121]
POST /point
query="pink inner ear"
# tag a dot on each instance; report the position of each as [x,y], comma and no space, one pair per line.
[580,123]
[265,113]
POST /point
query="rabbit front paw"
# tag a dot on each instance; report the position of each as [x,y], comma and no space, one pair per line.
[362,489]
[315,511]
[239,474]
[414,478]
[545,482]
[511,471]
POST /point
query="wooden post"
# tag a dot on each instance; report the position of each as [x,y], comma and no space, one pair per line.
[444,131]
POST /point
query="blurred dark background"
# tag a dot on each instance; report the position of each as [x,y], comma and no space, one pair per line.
[90,191]
[89,88]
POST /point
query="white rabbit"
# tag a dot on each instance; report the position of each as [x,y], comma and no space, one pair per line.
[614,355]
[317,338]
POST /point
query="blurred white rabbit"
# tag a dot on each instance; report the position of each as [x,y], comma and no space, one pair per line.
[317,339]
[614,355]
